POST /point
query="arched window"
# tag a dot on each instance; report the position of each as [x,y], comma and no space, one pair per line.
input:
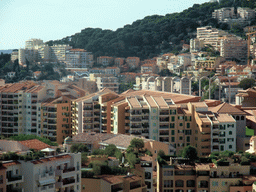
[237,118]
[179,183]
[242,117]
[190,183]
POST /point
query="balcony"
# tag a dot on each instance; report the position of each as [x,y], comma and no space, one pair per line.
[14,179]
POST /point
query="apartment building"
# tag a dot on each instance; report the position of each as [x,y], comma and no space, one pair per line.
[33,43]
[89,112]
[232,47]
[108,82]
[246,13]
[133,62]
[78,58]
[119,62]
[208,63]
[53,173]
[58,53]
[21,108]
[149,68]
[210,35]
[224,13]
[109,183]
[179,175]
[163,61]
[105,60]
[196,45]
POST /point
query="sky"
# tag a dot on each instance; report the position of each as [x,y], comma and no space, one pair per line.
[21,20]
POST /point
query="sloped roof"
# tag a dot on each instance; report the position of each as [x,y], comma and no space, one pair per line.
[91,137]
[226,108]
[121,141]
[35,144]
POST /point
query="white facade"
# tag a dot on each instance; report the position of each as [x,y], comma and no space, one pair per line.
[59,173]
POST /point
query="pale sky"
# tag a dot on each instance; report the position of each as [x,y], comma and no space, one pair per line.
[21,20]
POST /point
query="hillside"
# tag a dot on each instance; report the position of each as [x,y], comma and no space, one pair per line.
[154,34]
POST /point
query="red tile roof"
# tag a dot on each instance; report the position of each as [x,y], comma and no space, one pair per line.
[35,144]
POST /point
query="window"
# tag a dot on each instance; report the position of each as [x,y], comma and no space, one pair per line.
[180,117]
[190,183]
[173,139]
[17,171]
[188,139]
[172,125]
[230,139]
[179,183]
[187,132]
[181,124]
[173,118]
[230,146]
[215,183]
[242,117]
[196,138]
[188,125]
[180,138]
[230,132]
[222,148]
[168,183]
[168,173]
[173,132]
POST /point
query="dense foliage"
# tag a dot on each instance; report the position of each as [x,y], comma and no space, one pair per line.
[154,34]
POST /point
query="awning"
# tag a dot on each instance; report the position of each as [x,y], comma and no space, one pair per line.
[47,182]
[48,150]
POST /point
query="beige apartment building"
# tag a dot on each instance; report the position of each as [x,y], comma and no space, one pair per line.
[24,108]
[208,63]
[78,58]
[176,176]
[178,119]
[210,35]
[105,60]
[233,47]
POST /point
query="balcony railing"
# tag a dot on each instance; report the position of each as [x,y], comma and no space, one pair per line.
[68,181]
[14,178]
[69,169]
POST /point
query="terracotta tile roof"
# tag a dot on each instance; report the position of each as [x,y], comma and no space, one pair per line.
[35,144]
[54,158]
[226,108]
[112,179]
[225,118]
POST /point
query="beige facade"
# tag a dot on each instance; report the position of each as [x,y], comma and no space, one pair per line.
[233,47]
[201,177]
[78,58]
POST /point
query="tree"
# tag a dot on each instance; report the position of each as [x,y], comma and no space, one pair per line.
[110,150]
[78,147]
[161,153]
[137,144]
[247,83]
[131,158]
[190,152]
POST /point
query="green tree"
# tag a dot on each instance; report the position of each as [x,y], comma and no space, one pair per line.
[247,83]
[161,153]
[132,159]
[190,152]
[110,150]
[78,147]
[137,144]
